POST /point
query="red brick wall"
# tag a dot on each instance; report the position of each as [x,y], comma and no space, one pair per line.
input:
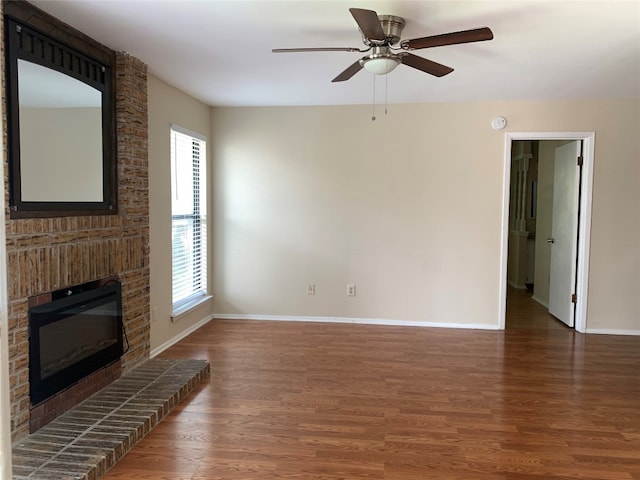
[52,253]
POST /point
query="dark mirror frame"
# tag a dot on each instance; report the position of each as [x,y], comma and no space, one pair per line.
[32,35]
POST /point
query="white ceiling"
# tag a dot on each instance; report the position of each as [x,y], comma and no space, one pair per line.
[219,51]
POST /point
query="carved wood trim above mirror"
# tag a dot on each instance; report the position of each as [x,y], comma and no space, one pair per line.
[61,139]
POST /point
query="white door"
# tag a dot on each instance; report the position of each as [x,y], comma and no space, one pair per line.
[564,236]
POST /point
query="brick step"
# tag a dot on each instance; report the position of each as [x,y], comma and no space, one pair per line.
[85,442]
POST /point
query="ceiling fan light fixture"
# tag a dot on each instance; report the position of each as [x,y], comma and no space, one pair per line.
[380,65]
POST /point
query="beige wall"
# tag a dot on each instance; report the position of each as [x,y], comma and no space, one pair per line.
[167,106]
[408,208]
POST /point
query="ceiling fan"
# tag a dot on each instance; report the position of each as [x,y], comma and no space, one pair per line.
[381,33]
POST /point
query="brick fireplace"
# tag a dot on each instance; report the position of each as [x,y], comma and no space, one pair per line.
[46,254]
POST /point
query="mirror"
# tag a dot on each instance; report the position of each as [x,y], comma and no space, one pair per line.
[65,117]
[61,135]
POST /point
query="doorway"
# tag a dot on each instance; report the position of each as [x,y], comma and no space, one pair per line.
[581,231]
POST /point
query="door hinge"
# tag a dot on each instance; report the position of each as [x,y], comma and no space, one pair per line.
[580,160]
[574,298]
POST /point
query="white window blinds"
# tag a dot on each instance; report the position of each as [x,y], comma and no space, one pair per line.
[189,216]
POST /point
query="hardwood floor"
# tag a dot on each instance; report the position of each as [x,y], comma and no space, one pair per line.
[339,401]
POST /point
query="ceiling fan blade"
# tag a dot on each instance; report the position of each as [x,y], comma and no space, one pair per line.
[318,49]
[349,72]
[425,65]
[369,23]
[464,36]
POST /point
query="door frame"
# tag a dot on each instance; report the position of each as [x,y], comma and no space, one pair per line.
[584,220]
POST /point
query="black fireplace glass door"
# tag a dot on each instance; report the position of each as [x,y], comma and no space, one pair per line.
[72,337]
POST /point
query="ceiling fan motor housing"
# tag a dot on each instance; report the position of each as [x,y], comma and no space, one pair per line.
[391,26]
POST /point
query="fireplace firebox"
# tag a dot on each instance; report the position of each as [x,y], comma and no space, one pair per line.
[75,334]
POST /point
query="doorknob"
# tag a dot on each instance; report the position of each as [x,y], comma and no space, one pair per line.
[551,240]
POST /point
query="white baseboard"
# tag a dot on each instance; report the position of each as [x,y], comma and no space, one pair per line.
[517,286]
[161,348]
[611,331]
[368,321]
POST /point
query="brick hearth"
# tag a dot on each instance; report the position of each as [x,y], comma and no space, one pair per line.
[89,439]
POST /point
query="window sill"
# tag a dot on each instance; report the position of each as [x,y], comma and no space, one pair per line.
[188,307]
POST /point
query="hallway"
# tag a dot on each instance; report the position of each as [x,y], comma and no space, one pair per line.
[524,312]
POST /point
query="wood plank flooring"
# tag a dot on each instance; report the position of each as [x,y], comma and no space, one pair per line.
[336,401]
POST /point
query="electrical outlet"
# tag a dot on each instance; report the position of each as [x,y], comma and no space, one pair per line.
[154,314]
[311,289]
[351,289]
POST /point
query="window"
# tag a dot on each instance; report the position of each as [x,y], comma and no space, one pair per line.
[188,218]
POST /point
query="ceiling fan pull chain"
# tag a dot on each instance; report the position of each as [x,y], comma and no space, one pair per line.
[386,90]
[373,105]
